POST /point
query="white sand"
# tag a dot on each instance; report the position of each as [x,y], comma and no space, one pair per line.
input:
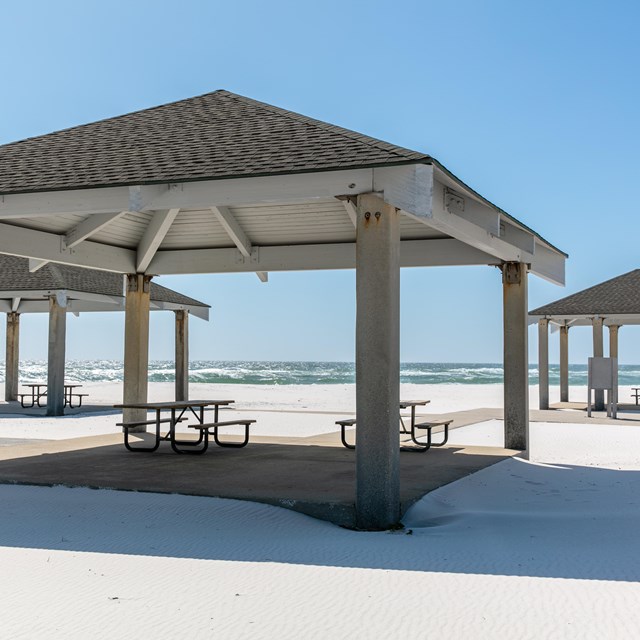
[546,548]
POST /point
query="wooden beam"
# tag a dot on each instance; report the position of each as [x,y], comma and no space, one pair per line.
[231,225]
[40,245]
[15,303]
[233,229]
[153,236]
[88,227]
[350,208]
[413,253]
[36,265]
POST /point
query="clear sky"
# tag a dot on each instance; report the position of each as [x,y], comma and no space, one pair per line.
[533,104]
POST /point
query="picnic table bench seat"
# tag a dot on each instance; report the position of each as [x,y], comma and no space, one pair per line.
[211,428]
[143,423]
[79,396]
[419,446]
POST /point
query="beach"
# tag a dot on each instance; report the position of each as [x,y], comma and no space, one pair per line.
[520,549]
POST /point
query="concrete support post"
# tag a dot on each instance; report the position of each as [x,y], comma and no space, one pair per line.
[613,344]
[182,355]
[516,361]
[564,363]
[377,364]
[598,352]
[543,362]
[613,340]
[136,347]
[57,348]
[12,357]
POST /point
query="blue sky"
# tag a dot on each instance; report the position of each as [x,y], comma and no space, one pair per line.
[532,104]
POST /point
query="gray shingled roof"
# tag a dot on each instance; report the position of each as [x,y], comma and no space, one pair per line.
[618,296]
[217,135]
[15,276]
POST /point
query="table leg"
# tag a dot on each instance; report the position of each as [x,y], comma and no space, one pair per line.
[203,439]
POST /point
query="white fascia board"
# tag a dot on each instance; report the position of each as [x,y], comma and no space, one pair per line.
[28,205]
[197,311]
[153,236]
[45,294]
[479,233]
[517,236]
[407,187]
[516,242]
[587,320]
[548,264]
[266,189]
[413,253]
[40,245]
[200,194]
[73,306]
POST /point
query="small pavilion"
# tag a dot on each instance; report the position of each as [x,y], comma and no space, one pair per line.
[613,304]
[59,289]
[221,183]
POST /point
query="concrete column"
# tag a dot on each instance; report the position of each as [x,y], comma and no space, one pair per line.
[564,363]
[12,357]
[377,364]
[613,345]
[136,346]
[598,352]
[182,355]
[613,340]
[57,348]
[516,361]
[543,362]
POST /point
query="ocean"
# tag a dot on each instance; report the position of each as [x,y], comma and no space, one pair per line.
[283,373]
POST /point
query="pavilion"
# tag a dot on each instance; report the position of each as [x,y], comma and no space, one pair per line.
[224,184]
[59,289]
[613,303]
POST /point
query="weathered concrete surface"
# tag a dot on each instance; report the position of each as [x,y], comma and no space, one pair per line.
[564,363]
[56,354]
[377,362]
[136,347]
[516,356]
[316,480]
[543,363]
[182,354]
[598,352]
[12,356]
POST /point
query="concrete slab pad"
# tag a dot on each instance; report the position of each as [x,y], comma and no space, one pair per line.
[317,479]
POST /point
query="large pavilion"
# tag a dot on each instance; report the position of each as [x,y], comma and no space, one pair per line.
[613,304]
[223,184]
[59,289]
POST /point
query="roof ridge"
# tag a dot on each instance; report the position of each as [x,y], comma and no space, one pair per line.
[402,152]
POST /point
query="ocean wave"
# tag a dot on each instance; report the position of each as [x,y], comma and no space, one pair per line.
[305,373]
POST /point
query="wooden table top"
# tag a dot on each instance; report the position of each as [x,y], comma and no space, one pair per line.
[176,404]
[405,404]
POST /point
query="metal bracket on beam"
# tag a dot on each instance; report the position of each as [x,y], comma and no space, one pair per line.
[453,202]
[134,278]
[512,273]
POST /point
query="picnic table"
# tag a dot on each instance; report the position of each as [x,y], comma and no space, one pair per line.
[38,390]
[417,445]
[171,413]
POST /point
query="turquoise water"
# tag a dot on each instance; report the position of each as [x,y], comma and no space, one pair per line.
[248,372]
